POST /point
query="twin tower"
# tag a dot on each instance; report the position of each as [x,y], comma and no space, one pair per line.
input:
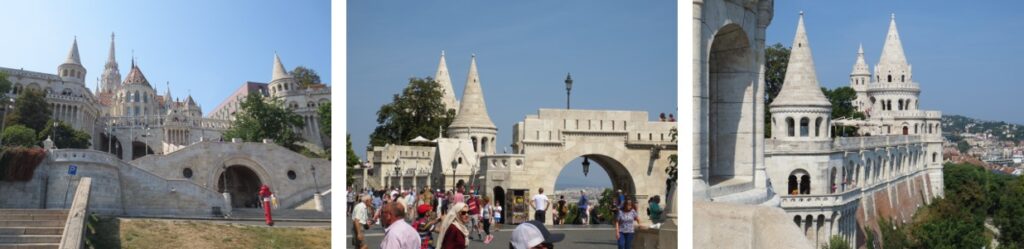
[471,119]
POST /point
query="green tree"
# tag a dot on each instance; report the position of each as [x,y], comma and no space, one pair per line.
[261,118]
[19,135]
[31,110]
[5,85]
[963,146]
[418,111]
[1008,217]
[352,159]
[842,102]
[893,236]
[776,61]
[305,76]
[948,226]
[606,206]
[837,242]
[66,136]
[324,113]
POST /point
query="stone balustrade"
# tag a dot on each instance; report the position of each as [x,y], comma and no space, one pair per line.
[815,201]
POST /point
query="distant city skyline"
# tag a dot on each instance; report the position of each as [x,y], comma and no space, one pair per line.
[622,56]
[203,48]
[963,56]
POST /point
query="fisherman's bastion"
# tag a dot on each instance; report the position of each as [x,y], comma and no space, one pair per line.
[157,155]
[801,186]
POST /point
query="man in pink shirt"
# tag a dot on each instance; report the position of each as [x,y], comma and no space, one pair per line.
[458,197]
[398,234]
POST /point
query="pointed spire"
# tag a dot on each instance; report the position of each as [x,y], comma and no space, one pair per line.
[800,86]
[444,79]
[279,71]
[110,57]
[73,57]
[892,51]
[860,67]
[472,110]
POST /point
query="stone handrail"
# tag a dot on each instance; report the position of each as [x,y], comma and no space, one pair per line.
[826,200]
[894,85]
[74,229]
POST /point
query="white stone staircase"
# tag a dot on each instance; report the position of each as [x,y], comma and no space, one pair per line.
[31,228]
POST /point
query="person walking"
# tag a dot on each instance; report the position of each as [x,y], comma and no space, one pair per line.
[625,222]
[540,205]
[397,233]
[361,222]
[581,216]
[453,231]
[497,216]
[487,218]
[474,217]
[265,199]
[562,210]
[350,198]
[654,209]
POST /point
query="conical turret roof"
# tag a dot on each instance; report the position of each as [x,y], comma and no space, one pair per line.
[279,71]
[860,67]
[800,87]
[111,60]
[892,51]
[73,57]
[473,110]
[444,79]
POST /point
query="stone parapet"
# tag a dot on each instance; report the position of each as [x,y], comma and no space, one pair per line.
[871,142]
[818,201]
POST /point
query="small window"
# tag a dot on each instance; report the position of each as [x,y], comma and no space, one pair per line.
[291,174]
[187,173]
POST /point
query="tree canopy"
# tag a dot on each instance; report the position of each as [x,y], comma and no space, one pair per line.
[19,135]
[418,111]
[351,160]
[324,113]
[305,76]
[776,60]
[260,118]
[31,110]
[66,136]
[842,102]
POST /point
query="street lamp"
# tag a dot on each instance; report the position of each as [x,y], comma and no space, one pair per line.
[568,89]
[586,166]
[316,186]
[398,175]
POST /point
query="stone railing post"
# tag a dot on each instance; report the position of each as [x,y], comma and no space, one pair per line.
[74,229]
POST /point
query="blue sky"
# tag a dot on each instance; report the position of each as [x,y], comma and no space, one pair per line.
[966,57]
[206,48]
[622,56]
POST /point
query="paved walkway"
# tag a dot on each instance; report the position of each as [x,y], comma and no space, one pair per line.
[576,236]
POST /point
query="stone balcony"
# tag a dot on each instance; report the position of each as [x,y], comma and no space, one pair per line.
[818,201]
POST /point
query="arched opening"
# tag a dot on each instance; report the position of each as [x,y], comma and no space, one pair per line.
[805,185]
[906,130]
[805,124]
[109,144]
[483,145]
[935,157]
[499,200]
[731,75]
[817,127]
[593,174]
[793,185]
[243,184]
[833,186]
[791,127]
[796,219]
[140,149]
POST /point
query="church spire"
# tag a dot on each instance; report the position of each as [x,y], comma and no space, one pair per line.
[444,79]
[472,109]
[800,86]
[860,67]
[110,57]
[111,74]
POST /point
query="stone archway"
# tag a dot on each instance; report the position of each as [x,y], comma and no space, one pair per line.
[729,106]
[140,149]
[242,183]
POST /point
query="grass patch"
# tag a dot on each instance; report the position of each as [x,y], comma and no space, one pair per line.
[138,233]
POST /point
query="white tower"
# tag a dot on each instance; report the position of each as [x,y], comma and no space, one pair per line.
[281,82]
[895,89]
[801,112]
[443,79]
[859,79]
[111,78]
[473,122]
[72,70]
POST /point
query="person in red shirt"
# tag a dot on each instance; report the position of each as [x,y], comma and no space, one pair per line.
[474,216]
[424,225]
[265,198]
[454,232]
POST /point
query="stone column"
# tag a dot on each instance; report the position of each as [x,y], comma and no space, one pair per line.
[227,203]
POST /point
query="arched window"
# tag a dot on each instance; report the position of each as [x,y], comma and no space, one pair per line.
[136,96]
[817,127]
[790,126]
[903,78]
[805,124]
[483,145]
[935,157]
[474,144]
[906,130]
[145,98]
[792,186]
[805,185]
[899,104]
[890,78]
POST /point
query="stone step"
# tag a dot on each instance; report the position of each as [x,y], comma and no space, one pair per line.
[33,211]
[26,239]
[33,216]
[32,223]
[31,230]
[30,246]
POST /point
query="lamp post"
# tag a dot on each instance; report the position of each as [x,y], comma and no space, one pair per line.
[586,166]
[455,164]
[568,89]
[316,186]
[398,175]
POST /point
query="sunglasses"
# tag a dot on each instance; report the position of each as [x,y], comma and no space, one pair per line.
[463,212]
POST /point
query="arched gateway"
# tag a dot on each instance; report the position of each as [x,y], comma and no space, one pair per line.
[633,150]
